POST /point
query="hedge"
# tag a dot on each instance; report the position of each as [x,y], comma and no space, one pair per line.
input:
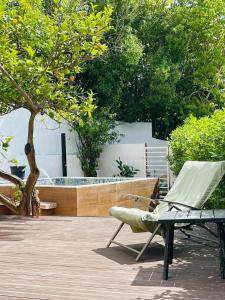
[204,140]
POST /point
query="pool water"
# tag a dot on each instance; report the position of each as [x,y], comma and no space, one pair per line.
[78,181]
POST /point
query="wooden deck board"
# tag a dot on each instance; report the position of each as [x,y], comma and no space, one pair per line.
[65,258]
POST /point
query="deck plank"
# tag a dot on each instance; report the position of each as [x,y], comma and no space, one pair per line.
[55,258]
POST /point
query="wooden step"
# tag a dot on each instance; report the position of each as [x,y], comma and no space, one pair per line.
[48,205]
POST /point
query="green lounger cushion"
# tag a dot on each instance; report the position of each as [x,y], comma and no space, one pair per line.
[139,220]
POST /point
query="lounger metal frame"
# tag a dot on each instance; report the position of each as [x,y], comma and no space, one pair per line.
[171,206]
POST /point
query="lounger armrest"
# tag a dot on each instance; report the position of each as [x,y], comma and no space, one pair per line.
[144,203]
[174,204]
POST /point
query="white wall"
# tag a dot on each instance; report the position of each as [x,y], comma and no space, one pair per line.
[138,133]
[47,139]
[130,154]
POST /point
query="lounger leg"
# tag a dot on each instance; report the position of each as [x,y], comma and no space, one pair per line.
[185,233]
[208,229]
[148,242]
[221,236]
[189,235]
[115,234]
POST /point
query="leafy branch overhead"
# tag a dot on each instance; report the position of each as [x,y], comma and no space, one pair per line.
[41,53]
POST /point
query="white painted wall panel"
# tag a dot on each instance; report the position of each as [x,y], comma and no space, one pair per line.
[130,154]
[138,133]
[73,166]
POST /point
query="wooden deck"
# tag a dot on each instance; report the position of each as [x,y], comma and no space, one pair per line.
[65,258]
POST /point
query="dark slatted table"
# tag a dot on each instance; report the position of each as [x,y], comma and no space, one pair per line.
[169,218]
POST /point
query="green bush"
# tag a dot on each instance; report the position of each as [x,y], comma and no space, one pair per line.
[200,139]
[94,133]
[125,170]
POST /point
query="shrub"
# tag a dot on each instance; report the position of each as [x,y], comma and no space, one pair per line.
[125,170]
[93,134]
[204,140]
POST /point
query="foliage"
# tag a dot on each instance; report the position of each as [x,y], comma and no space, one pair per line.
[111,78]
[44,44]
[186,61]
[4,146]
[174,67]
[5,142]
[126,170]
[200,139]
[93,134]
[14,162]
[43,52]
[17,195]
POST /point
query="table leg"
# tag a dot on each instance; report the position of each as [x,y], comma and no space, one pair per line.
[221,236]
[167,251]
[171,243]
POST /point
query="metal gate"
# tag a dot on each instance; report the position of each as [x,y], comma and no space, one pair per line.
[157,166]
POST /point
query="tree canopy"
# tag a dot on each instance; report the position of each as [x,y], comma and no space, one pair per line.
[166,61]
[42,51]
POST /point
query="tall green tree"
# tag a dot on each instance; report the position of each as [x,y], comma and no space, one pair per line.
[110,78]
[166,61]
[185,58]
[43,45]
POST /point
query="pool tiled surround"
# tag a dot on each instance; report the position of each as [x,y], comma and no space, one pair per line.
[91,199]
[80,181]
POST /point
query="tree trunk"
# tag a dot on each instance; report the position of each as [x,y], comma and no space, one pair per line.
[30,204]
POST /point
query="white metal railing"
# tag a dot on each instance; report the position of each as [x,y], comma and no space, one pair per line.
[157,166]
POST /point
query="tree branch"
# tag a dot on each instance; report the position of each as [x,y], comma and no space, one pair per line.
[12,178]
[7,202]
[19,89]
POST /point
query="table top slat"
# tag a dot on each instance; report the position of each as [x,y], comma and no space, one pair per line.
[168,215]
[219,214]
[194,214]
[207,214]
[182,215]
